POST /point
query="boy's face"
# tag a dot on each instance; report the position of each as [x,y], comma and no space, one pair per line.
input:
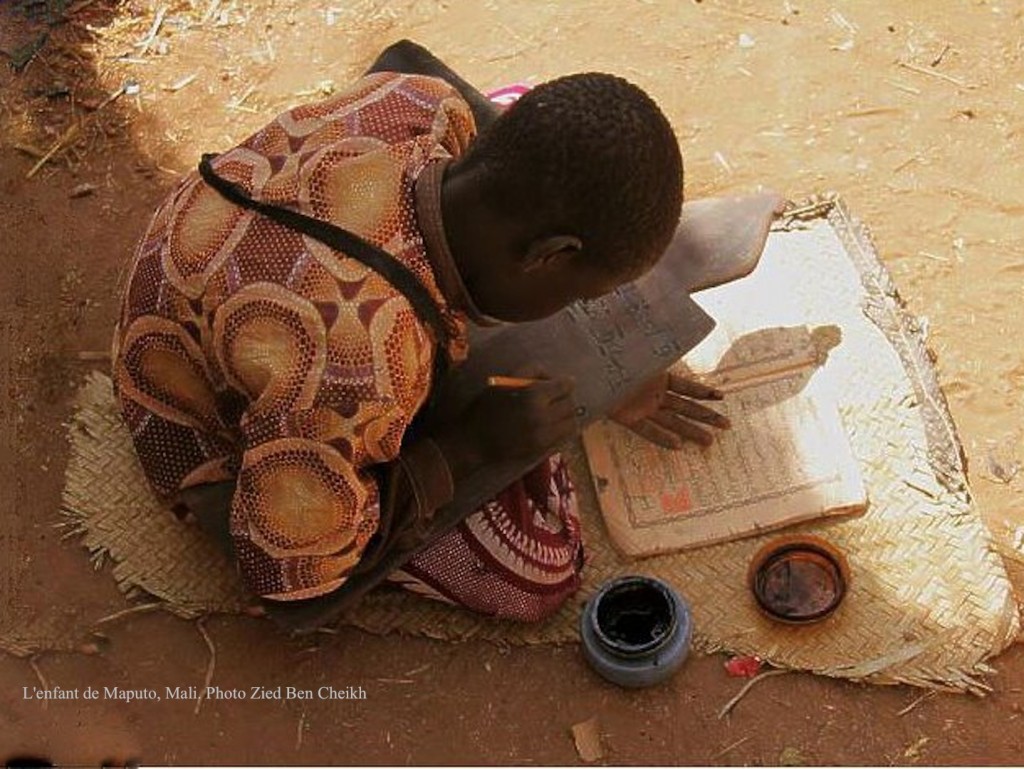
[517,270]
[518,292]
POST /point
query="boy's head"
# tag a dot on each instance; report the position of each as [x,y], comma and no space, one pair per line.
[575,190]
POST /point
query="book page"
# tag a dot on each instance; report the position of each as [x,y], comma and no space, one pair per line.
[786,458]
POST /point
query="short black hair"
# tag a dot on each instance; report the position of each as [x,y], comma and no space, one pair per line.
[592,155]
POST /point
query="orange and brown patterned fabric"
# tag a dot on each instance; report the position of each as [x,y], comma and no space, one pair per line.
[249,352]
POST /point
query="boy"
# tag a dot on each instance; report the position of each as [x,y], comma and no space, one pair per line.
[271,381]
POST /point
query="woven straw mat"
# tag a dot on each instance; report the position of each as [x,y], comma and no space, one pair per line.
[929,599]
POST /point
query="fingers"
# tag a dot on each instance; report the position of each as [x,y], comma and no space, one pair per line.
[541,429]
[645,401]
[521,418]
[685,407]
[529,371]
[548,413]
[692,389]
[657,435]
[685,430]
[534,380]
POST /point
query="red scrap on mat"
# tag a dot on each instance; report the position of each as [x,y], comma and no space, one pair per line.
[743,667]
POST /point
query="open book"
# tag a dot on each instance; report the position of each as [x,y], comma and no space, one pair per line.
[786,459]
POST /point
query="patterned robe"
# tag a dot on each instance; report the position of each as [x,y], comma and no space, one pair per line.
[247,351]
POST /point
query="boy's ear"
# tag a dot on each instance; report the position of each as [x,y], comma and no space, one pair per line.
[550,251]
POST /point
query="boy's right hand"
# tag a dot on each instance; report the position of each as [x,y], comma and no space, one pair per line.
[503,423]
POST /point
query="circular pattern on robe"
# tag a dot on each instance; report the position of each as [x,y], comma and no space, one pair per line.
[245,344]
[301,498]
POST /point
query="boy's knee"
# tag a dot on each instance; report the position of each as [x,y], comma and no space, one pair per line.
[534,607]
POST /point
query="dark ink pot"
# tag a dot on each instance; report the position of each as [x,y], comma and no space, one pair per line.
[636,631]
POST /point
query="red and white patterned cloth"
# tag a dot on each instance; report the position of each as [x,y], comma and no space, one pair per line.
[518,557]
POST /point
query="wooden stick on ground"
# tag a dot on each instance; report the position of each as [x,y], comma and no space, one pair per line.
[924,697]
[29,150]
[126,612]
[940,75]
[93,355]
[71,133]
[43,683]
[154,30]
[729,748]
[60,144]
[942,54]
[201,626]
[746,688]
[904,87]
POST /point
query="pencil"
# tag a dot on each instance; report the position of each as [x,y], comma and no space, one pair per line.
[511,382]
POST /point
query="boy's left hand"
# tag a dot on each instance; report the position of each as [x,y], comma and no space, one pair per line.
[665,411]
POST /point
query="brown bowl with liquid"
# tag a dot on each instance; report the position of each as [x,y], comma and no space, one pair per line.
[799,579]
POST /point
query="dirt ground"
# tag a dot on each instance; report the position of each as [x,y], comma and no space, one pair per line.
[911,110]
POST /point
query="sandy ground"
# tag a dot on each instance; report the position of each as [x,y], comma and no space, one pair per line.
[912,111]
